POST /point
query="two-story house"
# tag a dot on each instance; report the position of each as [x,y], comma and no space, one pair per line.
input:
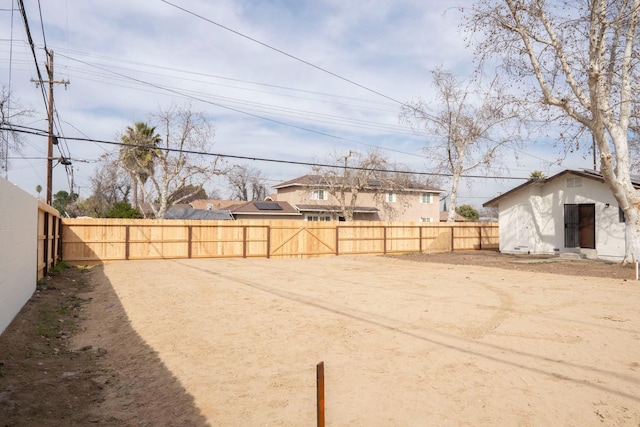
[312,196]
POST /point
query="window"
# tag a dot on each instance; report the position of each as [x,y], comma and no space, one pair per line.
[318,217]
[425,219]
[574,182]
[391,197]
[426,198]
[319,195]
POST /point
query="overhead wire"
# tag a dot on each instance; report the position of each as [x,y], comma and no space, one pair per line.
[324,70]
[35,131]
[358,123]
[237,110]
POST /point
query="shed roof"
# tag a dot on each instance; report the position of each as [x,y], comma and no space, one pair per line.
[584,173]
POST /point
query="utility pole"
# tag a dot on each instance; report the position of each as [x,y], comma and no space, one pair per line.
[51,140]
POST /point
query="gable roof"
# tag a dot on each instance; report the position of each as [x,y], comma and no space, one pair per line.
[189,213]
[319,181]
[584,173]
[264,208]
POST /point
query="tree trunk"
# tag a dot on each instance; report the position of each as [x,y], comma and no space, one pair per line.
[451,216]
[134,196]
[632,234]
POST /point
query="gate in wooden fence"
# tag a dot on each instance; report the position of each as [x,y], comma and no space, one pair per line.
[97,240]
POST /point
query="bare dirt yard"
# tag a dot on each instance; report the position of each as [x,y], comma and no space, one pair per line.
[463,339]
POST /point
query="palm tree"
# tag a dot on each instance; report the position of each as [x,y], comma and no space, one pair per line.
[138,158]
[537,175]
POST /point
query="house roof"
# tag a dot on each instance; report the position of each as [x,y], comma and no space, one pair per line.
[189,213]
[214,204]
[334,208]
[319,181]
[264,208]
[584,173]
[444,215]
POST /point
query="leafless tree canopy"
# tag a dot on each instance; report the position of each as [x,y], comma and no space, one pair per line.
[467,126]
[355,172]
[247,183]
[11,114]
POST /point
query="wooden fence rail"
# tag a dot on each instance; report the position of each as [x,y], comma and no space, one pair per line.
[97,240]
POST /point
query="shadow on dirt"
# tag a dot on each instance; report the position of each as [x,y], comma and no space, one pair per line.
[71,357]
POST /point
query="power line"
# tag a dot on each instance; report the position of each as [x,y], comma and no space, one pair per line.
[40,132]
[283,52]
[215,76]
[237,110]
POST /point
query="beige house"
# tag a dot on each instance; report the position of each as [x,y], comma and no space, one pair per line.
[311,197]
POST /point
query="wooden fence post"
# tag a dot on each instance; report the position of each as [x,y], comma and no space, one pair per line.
[189,240]
[244,241]
[45,244]
[126,241]
[384,238]
[268,241]
[337,239]
[452,238]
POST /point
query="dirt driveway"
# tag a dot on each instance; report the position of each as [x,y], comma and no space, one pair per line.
[404,343]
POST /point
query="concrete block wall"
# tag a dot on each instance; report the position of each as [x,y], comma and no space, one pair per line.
[18,250]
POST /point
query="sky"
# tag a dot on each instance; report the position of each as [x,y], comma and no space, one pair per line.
[290,80]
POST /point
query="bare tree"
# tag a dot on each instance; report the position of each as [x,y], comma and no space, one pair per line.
[582,58]
[109,185]
[183,132]
[471,124]
[247,183]
[11,115]
[357,172]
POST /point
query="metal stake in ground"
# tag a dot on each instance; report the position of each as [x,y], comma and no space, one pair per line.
[320,393]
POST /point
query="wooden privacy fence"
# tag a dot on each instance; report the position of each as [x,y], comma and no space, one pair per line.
[49,243]
[96,240]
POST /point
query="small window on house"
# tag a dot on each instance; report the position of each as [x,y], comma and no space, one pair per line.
[621,217]
[318,217]
[425,219]
[319,195]
[574,182]
[391,197]
[426,198]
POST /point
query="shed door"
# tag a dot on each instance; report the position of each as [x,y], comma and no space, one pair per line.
[580,226]
[587,226]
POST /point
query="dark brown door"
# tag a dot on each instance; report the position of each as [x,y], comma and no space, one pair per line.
[587,226]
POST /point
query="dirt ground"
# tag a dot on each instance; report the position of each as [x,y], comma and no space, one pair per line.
[470,338]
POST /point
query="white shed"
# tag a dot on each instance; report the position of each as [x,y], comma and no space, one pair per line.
[573,211]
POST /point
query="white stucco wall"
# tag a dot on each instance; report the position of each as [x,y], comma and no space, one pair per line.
[18,250]
[532,220]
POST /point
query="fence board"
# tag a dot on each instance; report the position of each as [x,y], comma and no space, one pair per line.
[97,240]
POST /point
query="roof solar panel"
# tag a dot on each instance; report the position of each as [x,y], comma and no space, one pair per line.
[268,206]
